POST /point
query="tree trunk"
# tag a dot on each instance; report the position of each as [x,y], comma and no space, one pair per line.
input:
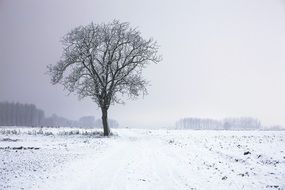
[105,121]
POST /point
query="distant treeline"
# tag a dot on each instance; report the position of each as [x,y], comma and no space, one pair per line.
[17,114]
[20,114]
[246,123]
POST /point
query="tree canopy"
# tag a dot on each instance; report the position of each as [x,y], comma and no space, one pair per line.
[104,61]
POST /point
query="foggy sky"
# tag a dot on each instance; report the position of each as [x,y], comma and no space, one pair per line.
[221,58]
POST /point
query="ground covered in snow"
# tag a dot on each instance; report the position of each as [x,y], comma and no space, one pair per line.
[141,159]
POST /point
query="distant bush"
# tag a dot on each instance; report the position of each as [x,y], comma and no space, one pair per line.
[10,132]
[51,131]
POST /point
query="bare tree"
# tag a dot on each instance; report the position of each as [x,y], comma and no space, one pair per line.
[104,62]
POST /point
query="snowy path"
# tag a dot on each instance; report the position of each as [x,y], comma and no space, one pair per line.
[135,161]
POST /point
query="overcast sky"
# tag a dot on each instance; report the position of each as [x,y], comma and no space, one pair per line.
[221,58]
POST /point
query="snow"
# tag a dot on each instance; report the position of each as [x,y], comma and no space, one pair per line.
[143,159]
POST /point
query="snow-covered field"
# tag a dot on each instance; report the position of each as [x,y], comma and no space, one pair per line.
[141,159]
